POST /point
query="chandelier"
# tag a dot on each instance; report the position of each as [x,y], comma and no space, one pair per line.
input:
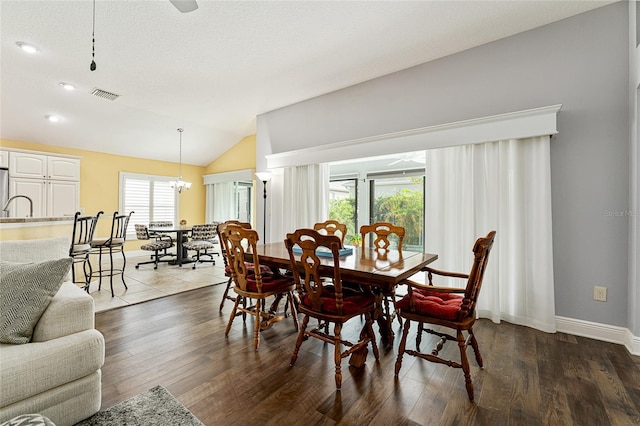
[180,184]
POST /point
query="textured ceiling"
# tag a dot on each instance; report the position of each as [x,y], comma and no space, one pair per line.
[213,70]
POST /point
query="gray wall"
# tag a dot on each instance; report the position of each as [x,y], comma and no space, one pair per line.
[580,62]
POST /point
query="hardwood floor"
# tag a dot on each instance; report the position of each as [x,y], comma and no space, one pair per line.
[530,377]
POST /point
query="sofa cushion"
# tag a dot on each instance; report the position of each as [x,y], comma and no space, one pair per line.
[70,311]
[36,250]
[34,368]
[26,290]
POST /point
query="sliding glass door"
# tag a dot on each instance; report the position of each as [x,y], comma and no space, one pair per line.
[398,198]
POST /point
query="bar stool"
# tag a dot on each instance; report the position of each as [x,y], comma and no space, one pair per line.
[111,245]
[83,230]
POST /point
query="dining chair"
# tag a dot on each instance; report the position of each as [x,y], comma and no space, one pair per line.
[450,307]
[84,228]
[383,236]
[328,303]
[200,241]
[227,268]
[251,286]
[155,244]
[112,244]
[332,227]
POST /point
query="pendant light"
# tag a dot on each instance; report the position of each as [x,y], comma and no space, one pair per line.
[180,184]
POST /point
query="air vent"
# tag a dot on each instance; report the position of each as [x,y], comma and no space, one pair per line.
[104,94]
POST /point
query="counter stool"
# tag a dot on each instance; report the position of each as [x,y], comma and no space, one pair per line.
[83,230]
[111,245]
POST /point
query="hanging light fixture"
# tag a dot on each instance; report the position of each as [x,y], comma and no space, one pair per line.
[180,184]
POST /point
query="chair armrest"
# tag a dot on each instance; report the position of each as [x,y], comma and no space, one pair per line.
[431,271]
[433,287]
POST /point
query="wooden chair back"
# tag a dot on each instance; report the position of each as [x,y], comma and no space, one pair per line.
[311,283]
[220,230]
[237,240]
[481,250]
[331,227]
[382,231]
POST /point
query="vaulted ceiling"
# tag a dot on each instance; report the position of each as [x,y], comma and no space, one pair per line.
[213,70]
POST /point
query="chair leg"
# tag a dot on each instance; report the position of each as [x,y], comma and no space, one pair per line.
[465,363]
[403,345]
[258,323]
[294,311]
[87,276]
[419,335]
[476,349]
[111,270]
[225,295]
[294,355]
[124,266]
[337,353]
[372,336]
[232,316]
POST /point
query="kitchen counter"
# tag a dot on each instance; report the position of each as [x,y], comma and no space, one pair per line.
[35,219]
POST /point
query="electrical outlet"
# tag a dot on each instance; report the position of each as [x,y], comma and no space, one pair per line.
[600,293]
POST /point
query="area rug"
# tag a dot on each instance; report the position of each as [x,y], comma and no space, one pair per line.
[155,407]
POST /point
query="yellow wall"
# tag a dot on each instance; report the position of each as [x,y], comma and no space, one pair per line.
[99,184]
[99,187]
[241,156]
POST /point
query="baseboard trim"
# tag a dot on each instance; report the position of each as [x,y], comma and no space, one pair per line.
[604,332]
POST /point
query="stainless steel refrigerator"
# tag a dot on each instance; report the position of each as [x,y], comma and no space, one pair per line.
[4,190]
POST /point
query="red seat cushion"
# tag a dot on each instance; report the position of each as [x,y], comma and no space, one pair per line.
[269,283]
[352,302]
[433,304]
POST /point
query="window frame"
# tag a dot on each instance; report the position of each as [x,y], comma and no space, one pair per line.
[124,176]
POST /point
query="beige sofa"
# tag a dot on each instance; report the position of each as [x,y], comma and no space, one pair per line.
[58,373]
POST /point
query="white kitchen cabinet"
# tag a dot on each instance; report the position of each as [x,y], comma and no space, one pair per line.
[52,182]
[63,198]
[51,198]
[63,168]
[32,188]
[40,166]
[4,159]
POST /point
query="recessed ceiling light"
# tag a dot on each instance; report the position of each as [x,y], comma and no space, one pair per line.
[52,118]
[67,86]
[29,48]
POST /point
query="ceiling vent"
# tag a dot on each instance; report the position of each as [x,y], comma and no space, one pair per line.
[104,94]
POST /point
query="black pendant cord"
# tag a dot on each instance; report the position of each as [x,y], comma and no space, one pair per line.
[93,35]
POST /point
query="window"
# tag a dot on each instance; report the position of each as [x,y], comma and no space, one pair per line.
[398,198]
[343,200]
[149,197]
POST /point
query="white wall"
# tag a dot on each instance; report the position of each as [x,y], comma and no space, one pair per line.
[581,63]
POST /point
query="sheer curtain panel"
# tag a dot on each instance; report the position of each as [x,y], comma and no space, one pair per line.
[503,186]
[305,196]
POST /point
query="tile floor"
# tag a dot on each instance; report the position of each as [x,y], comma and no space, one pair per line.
[146,283]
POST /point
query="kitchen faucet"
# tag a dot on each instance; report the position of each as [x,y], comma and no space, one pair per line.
[6,205]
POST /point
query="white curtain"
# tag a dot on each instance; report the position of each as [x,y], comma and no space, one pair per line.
[220,202]
[503,186]
[305,195]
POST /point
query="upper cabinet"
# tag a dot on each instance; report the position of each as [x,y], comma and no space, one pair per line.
[4,159]
[39,166]
[51,182]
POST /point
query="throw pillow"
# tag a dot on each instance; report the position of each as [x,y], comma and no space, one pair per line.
[29,420]
[26,289]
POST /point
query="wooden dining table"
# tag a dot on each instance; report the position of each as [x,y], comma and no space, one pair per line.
[379,269]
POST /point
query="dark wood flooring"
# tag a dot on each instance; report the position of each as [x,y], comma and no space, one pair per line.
[530,377]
